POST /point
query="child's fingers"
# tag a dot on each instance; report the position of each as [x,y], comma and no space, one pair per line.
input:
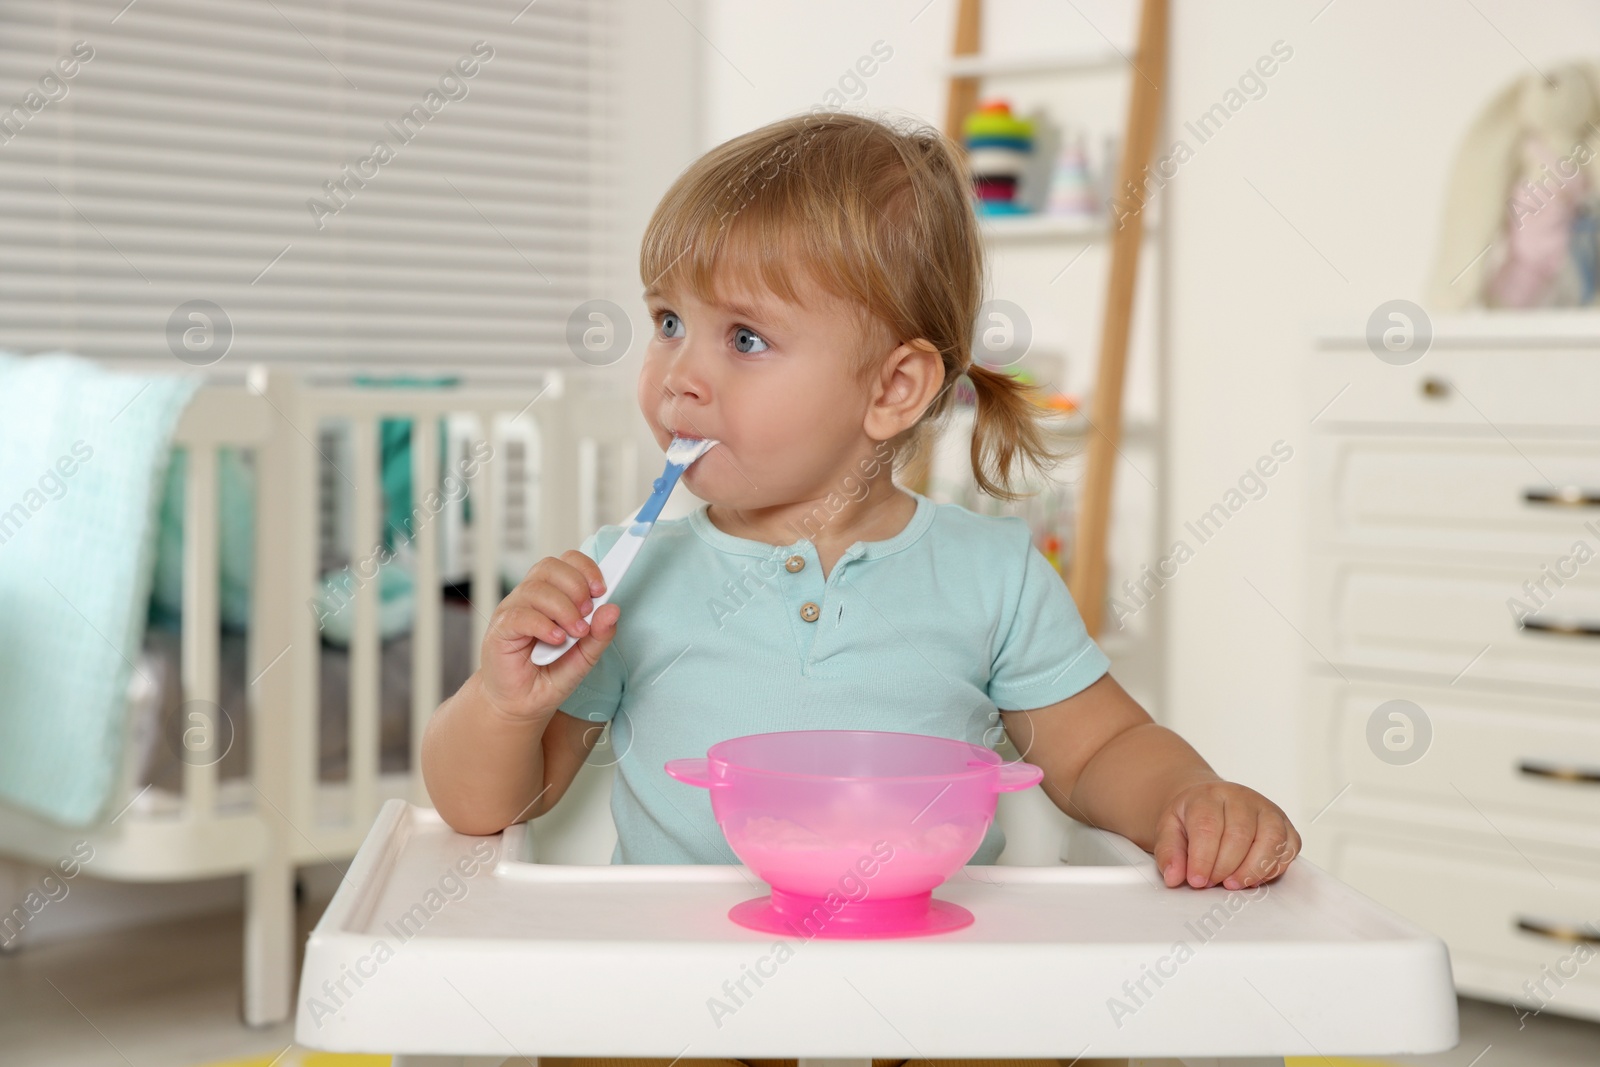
[1259,866]
[555,604]
[1171,850]
[1238,835]
[588,568]
[1275,846]
[1203,819]
[563,676]
[562,574]
[517,626]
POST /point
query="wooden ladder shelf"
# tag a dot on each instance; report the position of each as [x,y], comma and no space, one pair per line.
[1087,575]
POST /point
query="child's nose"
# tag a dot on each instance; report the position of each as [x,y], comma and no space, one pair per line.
[684,377]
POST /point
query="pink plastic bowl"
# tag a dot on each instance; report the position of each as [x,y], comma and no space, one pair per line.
[852,829]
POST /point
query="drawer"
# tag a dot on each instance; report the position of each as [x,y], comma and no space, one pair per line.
[1504,754]
[1511,390]
[1464,494]
[1491,908]
[1453,620]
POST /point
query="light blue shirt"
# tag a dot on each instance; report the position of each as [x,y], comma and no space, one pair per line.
[932,631]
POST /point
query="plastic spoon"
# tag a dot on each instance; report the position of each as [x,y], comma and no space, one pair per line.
[682,452]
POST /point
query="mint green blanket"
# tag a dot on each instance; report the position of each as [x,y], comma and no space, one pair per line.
[83,452]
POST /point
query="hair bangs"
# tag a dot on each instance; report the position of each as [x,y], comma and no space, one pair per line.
[753,224]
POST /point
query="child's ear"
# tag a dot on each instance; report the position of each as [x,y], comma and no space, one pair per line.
[903,386]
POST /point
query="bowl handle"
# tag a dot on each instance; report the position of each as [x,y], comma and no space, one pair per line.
[694,771]
[1019,775]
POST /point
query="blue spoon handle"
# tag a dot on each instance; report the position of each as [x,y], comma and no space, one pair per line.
[662,488]
[622,553]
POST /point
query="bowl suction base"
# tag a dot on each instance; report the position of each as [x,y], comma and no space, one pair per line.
[808,917]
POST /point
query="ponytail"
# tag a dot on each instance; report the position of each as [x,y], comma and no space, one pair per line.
[1007,433]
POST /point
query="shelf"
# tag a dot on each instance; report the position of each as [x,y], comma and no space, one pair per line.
[1074,425]
[1085,61]
[1480,328]
[1042,227]
[1063,425]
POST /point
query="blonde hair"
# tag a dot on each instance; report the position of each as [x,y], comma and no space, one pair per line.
[880,217]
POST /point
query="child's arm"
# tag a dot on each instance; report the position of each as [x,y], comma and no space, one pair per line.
[500,750]
[1107,763]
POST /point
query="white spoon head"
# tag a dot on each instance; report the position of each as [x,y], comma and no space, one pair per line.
[685,450]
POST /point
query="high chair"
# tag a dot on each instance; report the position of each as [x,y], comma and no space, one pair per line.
[449,951]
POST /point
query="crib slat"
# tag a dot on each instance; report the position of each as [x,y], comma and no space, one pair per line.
[588,483]
[487,506]
[425,645]
[625,485]
[283,695]
[366,551]
[560,493]
[203,730]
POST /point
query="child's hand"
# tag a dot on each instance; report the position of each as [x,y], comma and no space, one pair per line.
[1223,832]
[546,605]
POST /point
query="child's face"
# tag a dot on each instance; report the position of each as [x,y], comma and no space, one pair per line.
[772,381]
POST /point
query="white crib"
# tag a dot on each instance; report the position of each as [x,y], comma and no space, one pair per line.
[281,815]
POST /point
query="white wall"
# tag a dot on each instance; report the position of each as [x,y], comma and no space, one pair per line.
[1319,199]
[1352,144]
[660,121]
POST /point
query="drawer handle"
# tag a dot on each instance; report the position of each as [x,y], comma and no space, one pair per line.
[1568,496]
[1435,388]
[1538,769]
[1565,629]
[1558,931]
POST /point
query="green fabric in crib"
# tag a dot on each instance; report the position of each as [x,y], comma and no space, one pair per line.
[236,507]
[235,539]
[83,452]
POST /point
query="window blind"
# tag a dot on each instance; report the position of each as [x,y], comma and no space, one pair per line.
[417,183]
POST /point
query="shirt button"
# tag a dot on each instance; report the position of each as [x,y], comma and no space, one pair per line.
[794,563]
[809,611]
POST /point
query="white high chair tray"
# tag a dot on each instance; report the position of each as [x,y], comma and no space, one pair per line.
[446,944]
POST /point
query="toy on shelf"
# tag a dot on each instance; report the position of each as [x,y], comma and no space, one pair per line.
[1056,402]
[1071,190]
[1051,546]
[1053,399]
[1047,505]
[999,149]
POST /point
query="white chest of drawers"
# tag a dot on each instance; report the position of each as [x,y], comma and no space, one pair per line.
[1455,566]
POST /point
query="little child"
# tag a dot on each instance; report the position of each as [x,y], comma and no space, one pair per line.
[813,287]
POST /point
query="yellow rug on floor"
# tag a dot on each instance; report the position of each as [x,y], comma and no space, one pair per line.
[299,1058]
[307,1058]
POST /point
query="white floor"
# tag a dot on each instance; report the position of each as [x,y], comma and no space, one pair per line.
[168,996]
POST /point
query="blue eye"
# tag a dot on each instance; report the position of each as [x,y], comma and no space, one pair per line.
[670,325]
[743,337]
